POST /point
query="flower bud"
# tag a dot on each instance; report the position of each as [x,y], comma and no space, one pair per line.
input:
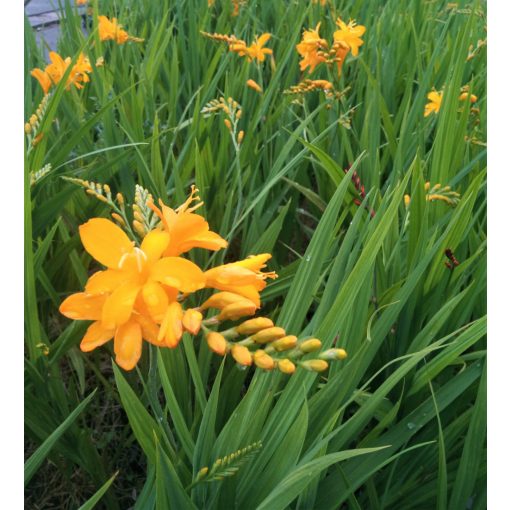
[217,343]
[263,360]
[285,343]
[466,95]
[192,320]
[240,137]
[332,354]
[228,124]
[252,326]
[236,310]
[314,365]
[286,366]
[268,335]
[241,354]
[118,218]
[254,85]
[28,128]
[311,345]
[407,200]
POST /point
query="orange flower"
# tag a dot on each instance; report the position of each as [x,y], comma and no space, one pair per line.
[187,230]
[349,35]
[111,30]
[255,51]
[136,292]
[434,105]
[244,277]
[43,78]
[309,48]
[56,69]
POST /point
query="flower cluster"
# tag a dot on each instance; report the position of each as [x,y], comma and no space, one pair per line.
[314,50]
[33,126]
[111,30]
[232,111]
[255,51]
[436,98]
[141,294]
[56,69]
[437,193]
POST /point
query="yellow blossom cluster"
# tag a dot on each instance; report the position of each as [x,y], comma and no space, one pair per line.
[141,294]
[314,50]
[56,69]
[436,98]
[255,51]
[79,73]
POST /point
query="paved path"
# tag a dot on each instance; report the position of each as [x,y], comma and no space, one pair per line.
[44,17]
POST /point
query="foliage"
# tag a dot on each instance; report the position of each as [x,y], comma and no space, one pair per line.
[401,422]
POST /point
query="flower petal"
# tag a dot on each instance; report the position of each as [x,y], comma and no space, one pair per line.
[105,241]
[83,307]
[179,273]
[95,336]
[105,281]
[118,306]
[127,345]
[171,328]
[155,299]
[154,244]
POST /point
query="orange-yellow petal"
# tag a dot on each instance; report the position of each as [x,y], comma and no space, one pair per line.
[127,345]
[154,244]
[170,332]
[150,329]
[95,336]
[105,241]
[156,300]
[83,307]
[105,281]
[118,306]
[178,273]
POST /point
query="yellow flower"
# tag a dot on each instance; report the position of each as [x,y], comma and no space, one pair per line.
[309,49]
[268,335]
[286,366]
[43,78]
[186,229]
[244,277]
[285,343]
[263,360]
[191,320]
[349,35]
[232,306]
[434,105]
[255,51]
[254,85]
[56,69]
[311,345]
[137,291]
[252,326]
[111,30]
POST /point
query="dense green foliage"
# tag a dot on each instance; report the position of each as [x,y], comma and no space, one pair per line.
[401,422]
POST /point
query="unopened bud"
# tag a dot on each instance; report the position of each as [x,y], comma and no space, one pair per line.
[240,137]
[311,345]
[314,365]
[252,326]
[120,198]
[192,320]
[263,360]
[118,218]
[228,124]
[234,311]
[407,200]
[285,343]
[286,366]
[241,354]
[268,335]
[254,85]
[202,473]
[239,113]
[28,128]
[332,354]
[33,120]
[427,186]
[217,343]
[139,228]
